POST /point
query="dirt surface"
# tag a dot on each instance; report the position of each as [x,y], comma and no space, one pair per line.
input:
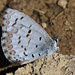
[53,65]
[58,19]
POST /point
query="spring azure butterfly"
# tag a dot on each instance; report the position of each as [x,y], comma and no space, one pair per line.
[23,40]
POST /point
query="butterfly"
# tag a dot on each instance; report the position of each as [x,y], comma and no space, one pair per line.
[23,40]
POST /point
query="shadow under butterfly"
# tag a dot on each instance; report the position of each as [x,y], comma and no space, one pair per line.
[4,63]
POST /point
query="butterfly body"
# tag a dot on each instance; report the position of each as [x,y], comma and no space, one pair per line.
[23,40]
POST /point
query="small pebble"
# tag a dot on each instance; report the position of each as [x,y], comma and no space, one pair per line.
[44,25]
[62,3]
[9,74]
[67,23]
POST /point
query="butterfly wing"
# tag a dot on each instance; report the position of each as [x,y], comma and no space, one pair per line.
[23,39]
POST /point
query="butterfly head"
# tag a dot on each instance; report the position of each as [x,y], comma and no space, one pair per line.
[53,46]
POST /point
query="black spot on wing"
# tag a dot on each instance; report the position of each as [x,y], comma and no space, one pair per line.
[32,55]
[36,46]
[12,52]
[25,49]
[3,44]
[29,31]
[4,18]
[19,41]
[9,58]
[27,35]
[5,51]
[3,38]
[39,54]
[40,38]
[21,46]
[21,18]
[19,37]
[25,54]
[15,22]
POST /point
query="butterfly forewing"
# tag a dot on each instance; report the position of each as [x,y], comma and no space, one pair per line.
[22,38]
